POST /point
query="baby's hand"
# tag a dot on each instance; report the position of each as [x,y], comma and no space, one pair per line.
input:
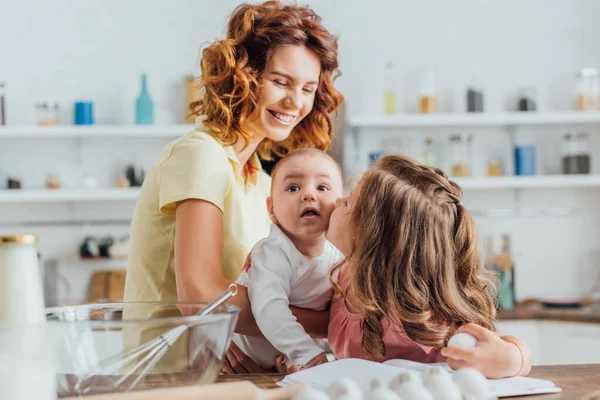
[320,359]
[493,357]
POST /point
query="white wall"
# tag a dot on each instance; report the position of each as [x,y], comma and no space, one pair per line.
[70,50]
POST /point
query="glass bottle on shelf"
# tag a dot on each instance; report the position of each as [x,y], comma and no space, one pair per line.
[588,89]
[144,107]
[494,168]
[429,155]
[2,105]
[461,154]
[389,89]
[527,99]
[428,98]
[576,154]
[504,266]
[475,95]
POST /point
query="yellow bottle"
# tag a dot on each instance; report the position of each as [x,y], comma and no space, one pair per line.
[389,93]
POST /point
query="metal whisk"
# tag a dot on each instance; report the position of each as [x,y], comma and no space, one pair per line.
[152,351]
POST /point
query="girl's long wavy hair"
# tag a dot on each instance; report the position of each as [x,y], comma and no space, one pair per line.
[231,69]
[415,256]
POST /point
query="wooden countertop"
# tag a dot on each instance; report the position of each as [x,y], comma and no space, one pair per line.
[588,313]
[576,381]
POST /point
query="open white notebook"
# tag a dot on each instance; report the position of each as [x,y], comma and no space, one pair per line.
[363,372]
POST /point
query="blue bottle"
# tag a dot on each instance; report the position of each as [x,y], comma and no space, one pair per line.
[144,108]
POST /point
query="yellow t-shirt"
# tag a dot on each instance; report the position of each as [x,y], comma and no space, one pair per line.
[193,166]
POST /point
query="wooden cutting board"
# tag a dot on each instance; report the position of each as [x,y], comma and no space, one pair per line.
[242,390]
[107,285]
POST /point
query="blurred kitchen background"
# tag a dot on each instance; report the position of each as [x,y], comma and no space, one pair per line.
[503,95]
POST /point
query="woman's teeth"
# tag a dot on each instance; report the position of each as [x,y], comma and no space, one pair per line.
[283,117]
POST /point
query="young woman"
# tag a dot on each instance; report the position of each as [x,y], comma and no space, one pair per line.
[267,89]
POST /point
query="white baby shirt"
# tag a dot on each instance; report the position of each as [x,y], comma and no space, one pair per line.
[281,276]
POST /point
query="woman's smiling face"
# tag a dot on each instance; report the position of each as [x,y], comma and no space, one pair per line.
[287,92]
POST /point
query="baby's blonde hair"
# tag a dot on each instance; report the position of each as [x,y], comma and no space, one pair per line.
[414,255]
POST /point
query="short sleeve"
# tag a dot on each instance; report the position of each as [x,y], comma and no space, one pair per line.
[195,169]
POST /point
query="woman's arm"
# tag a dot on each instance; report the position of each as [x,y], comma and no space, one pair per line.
[314,322]
[198,259]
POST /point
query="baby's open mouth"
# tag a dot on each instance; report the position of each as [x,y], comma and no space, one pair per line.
[309,212]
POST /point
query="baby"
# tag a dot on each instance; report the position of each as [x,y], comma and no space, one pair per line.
[291,266]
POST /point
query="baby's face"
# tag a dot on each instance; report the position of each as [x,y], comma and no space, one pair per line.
[303,197]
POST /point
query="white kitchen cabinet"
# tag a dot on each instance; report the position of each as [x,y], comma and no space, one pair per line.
[555,342]
[569,342]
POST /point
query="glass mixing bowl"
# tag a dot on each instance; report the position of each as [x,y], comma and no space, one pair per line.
[103,348]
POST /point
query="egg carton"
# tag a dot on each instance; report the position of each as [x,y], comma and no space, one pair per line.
[432,384]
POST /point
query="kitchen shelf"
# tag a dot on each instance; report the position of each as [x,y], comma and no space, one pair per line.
[58,195]
[129,194]
[81,131]
[476,119]
[529,182]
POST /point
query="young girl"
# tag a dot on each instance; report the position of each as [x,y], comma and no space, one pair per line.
[413,275]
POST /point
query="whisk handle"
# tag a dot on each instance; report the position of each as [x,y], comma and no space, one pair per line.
[230,292]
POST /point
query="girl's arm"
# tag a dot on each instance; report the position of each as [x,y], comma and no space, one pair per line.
[495,356]
[525,353]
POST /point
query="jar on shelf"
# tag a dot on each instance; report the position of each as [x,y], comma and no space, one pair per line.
[428,96]
[494,167]
[429,156]
[389,90]
[588,89]
[576,157]
[527,99]
[461,154]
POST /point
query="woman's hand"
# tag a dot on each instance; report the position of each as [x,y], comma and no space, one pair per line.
[237,362]
[493,356]
[320,359]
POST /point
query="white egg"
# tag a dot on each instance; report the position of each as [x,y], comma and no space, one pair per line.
[464,340]
[409,386]
[440,384]
[311,394]
[380,392]
[472,383]
[345,389]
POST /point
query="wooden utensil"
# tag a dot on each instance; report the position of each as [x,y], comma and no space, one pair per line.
[242,390]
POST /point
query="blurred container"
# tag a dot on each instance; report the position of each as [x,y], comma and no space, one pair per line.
[192,94]
[428,96]
[494,168]
[527,99]
[144,107]
[588,89]
[461,154]
[84,113]
[389,90]
[576,158]
[429,156]
[83,336]
[2,105]
[21,293]
[525,159]
[46,114]
[475,95]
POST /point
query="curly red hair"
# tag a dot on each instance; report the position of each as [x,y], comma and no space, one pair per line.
[231,68]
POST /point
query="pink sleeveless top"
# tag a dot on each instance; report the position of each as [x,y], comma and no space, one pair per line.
[345,334]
